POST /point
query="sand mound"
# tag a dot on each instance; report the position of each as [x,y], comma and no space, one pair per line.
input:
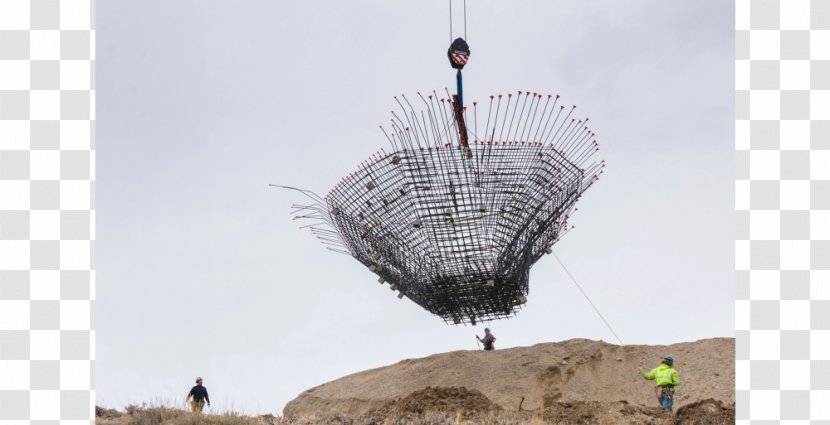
[554,379]
[460,406]
[601,413]
[459,401]
[706,412]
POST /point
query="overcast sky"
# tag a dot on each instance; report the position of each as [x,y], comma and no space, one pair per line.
[201,105]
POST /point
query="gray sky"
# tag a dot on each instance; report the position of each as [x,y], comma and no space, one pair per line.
[201,104]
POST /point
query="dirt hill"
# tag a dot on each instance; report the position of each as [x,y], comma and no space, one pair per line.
[574,381]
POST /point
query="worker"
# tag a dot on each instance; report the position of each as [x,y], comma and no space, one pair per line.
[488,340]
[666,379]
[199,395]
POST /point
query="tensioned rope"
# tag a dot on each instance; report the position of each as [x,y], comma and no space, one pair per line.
[587,298]
[450,3]
[465,20]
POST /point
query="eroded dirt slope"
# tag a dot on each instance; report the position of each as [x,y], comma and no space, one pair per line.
[543,377]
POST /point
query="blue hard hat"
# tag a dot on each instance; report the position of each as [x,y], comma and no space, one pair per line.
[669,358]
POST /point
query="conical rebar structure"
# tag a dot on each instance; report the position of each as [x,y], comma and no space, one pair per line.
[465,202]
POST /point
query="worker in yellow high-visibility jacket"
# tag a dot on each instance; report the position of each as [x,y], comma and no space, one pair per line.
[666,378]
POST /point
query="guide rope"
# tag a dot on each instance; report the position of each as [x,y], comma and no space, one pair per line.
[588,298]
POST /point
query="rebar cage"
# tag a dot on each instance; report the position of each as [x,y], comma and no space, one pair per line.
[453,218]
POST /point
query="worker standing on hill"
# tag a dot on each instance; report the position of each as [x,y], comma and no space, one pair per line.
[666,378]
[199,395]
[488,340]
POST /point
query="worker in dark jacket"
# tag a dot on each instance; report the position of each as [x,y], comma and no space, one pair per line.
[199,395]
[488,340]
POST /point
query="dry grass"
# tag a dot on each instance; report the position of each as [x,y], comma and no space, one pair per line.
[157,415]
[708,412]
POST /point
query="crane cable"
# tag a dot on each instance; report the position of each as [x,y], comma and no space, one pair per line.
[465,20]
